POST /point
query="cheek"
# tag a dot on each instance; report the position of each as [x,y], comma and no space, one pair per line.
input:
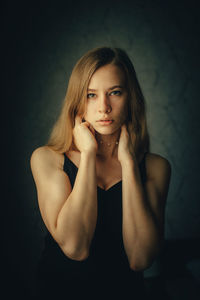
[122,112]
[89,113]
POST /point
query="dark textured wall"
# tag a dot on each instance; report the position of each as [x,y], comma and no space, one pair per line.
[42,43]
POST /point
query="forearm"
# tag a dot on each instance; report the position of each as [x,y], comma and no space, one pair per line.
[77,219]
[140,232]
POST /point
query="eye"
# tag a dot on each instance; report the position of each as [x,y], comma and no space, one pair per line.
[118,92]
[88,95]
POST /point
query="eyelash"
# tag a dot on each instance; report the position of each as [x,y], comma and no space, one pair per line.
[111,93]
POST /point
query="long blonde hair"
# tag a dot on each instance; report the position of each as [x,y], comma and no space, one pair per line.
[61,137]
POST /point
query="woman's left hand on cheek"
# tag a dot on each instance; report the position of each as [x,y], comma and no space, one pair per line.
[124,144]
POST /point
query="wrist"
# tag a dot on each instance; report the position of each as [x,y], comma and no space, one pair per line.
[128,159]
[88,153]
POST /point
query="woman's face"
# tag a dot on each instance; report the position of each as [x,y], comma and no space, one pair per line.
[106,108]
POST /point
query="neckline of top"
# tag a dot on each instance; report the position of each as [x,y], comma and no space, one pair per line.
[100,188]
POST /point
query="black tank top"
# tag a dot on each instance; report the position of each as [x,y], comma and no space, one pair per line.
[106,272]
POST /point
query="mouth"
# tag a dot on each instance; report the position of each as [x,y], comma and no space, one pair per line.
[105,122]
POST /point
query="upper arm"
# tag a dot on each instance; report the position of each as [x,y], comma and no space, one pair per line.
[157,186]
[52,184]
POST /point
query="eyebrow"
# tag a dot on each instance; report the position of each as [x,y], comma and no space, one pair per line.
[111,88]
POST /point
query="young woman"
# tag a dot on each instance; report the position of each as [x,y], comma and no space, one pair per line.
[101,193]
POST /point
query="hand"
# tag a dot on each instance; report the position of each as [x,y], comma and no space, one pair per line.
[125,145]
[84,136]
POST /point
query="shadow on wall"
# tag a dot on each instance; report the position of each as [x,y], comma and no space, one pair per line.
[176,272]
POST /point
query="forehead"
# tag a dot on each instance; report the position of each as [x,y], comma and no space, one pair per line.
[107,75]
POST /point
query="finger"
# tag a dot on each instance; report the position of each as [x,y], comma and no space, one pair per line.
[78,120]
[85,123]
[88,125]
[123,128]
[92,129]
[124,131]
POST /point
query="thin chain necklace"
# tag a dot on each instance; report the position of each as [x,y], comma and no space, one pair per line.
[108,144]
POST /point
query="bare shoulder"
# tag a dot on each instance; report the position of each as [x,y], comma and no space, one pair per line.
[45,153]
[157,166]
[44,157]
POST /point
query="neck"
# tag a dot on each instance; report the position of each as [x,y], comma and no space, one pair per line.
[107,145]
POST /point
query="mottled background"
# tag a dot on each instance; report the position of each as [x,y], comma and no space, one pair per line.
[41,44]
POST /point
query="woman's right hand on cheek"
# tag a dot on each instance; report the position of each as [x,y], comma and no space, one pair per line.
[84,136]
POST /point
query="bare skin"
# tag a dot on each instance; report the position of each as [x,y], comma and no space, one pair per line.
[111,168]
[71,214]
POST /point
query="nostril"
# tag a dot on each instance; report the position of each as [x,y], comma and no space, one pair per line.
[105,109]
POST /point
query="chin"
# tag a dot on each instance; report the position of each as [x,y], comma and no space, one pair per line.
[106,130]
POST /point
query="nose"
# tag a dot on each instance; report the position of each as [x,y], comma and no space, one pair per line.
[104,104]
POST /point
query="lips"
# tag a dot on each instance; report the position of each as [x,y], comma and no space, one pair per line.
[104,120]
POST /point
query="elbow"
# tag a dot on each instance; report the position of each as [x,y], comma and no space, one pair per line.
[75,253]
[73,248]
[143,261]
[140,265]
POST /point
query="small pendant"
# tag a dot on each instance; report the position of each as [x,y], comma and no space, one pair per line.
[109,144]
